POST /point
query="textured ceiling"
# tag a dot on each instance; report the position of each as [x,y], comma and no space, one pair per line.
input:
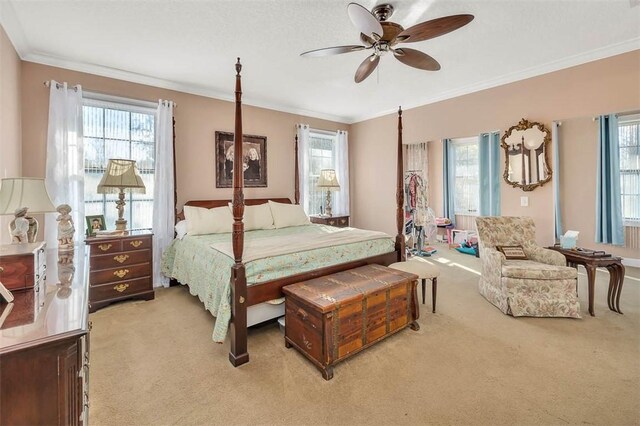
[192,45]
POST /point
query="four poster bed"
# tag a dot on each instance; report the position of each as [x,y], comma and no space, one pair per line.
[253,281]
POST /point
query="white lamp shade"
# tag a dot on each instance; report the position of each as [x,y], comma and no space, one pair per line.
[328,180]
[121,175]
[32,193]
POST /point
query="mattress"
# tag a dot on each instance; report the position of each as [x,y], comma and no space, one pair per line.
[207,271]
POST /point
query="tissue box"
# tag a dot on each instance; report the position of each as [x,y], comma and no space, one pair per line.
[568,242]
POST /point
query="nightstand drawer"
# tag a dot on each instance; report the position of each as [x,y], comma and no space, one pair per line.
[120,289]
[104,247]
[116,260]
[119,274]
[140,243]
[338,221]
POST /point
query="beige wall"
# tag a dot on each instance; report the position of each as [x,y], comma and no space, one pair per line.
[10,127]
[197,118]
[604,86]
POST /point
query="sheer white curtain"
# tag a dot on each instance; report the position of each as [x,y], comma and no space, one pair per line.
[341,198]
[418,162]
[163,190]
[65,158]
[302,130]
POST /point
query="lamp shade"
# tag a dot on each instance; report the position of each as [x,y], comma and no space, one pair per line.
[328,180]
[121,175]
[24,192]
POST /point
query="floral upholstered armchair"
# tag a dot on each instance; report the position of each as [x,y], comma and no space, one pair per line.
[540,286]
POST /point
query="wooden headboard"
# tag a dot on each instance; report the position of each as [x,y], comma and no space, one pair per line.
[209,204]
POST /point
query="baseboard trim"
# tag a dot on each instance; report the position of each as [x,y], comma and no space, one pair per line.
[628,261]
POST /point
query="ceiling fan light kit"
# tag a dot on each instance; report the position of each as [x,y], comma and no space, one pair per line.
[381,35]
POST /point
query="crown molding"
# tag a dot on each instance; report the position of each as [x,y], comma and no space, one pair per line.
[568,62]
[193,89]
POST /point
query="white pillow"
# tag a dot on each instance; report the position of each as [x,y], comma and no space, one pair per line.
[285,215]
[256,217]
[201,221]
[181,229]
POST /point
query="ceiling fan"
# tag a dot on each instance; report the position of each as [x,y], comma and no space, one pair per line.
[383,36]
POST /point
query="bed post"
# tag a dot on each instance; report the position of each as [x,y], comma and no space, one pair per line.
[296,193]
[400,244]
[238,354]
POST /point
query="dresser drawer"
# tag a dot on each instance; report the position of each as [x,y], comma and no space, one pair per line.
[119,274]
[120,289]
[116,260]
[140,243]
[104,247]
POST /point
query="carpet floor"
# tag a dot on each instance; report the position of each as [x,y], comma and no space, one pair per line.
[154,363]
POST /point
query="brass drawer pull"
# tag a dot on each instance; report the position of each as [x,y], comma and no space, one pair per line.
[1,269]
[136,243]
[120,273]
[121,287]
[332,222]
[121,258]
[105,247]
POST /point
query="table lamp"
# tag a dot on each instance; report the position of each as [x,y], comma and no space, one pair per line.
[120,176]
[328,181]
[19,195]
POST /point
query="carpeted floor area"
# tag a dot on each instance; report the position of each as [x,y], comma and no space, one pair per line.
[154,363]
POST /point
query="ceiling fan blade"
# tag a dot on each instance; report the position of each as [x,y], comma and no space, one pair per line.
[366,68]
[415,58]
[327,51]
[433,28]
[364,21]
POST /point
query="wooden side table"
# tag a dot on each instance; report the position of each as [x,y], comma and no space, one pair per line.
[340,221]
[591,263]
[121,268]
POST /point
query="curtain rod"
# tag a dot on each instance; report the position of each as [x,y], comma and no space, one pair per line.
[619,114]
[104,96]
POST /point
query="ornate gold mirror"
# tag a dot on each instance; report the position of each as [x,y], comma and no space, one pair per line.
[525,146]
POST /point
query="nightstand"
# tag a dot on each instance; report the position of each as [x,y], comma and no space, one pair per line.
[120,268]
[340,221]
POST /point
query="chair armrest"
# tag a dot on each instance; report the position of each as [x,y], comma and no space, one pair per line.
[543,255]
[492,261]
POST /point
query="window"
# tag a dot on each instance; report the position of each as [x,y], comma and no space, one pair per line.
[466,169]
[322,155]
[113,130]
[629,139]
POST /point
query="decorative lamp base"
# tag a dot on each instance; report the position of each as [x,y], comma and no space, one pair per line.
[121,225]
[327,208]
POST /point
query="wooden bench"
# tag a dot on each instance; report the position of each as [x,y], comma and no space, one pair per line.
[335,316]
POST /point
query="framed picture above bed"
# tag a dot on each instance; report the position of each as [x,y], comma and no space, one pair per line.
[254,160]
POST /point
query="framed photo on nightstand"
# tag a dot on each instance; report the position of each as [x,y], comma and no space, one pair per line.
[95,223]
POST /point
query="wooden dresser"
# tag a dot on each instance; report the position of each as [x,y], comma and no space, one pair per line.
[340,221]
[120,268]
[44,347]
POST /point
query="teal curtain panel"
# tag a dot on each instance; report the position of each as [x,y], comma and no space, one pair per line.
[609,223]
[489,153]
[555,146]
[449,181]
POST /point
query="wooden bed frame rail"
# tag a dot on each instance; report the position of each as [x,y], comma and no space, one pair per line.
[243,296]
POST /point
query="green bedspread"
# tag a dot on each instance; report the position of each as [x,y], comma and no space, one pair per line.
[207,271]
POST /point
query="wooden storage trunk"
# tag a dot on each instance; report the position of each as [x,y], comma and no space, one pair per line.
[333,317]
